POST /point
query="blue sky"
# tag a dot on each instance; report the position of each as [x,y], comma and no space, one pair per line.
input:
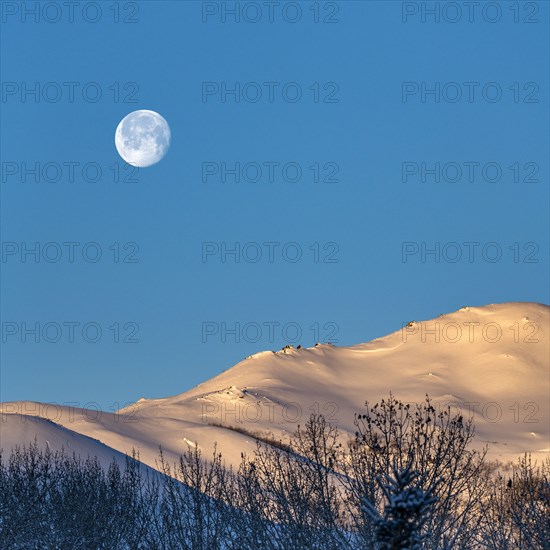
[388,95]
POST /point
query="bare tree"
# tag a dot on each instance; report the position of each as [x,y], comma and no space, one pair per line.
[390,436]
[192,506]
[518,510]
[56,500]
[291,493]
[407,479]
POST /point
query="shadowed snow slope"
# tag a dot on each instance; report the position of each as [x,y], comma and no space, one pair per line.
[22,430]
[491,362]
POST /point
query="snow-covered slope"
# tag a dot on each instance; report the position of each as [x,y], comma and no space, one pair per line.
[491,361]
[22,430]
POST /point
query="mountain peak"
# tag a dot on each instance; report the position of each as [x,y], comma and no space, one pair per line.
[490,363]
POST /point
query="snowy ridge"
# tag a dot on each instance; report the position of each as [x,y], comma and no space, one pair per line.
[492,362]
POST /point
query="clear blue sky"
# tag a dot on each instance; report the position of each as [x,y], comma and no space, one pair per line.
[386,93]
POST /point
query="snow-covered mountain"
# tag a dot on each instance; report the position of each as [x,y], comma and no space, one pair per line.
[492,362]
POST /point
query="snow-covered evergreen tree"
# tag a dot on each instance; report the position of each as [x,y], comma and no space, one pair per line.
[400,526]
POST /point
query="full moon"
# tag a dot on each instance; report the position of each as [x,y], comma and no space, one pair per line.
[142,138]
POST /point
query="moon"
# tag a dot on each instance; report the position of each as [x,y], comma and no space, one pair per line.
[142,138]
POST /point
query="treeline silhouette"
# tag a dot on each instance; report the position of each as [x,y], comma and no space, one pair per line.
[407,480]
